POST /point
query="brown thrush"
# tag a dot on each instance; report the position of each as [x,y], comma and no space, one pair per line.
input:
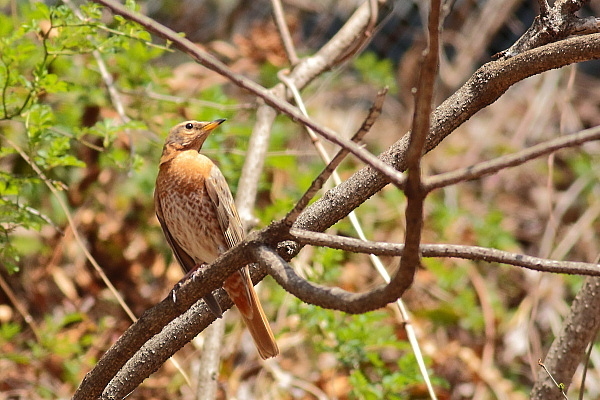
[198,216]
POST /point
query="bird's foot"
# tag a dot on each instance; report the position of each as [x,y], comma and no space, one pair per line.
[210,300]
[190,274]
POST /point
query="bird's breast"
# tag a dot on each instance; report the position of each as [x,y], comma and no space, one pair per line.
[187,209]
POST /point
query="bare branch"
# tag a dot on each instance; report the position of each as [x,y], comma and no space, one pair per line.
[553,24]
[363,37]
[300,76]
[486,85]
[330,297]
[482,89]
[153,353]
[284,32]
[155,319]
[475,253]
[253,164]
[415,193]
[512,160]
[320,180]
[579,328]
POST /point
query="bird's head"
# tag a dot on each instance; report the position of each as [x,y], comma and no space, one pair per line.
[190,135]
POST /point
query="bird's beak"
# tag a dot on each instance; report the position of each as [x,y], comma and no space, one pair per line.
[212,125]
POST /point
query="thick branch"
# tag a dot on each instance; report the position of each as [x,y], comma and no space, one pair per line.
[153,320]
[487,84]
[566,352]
[553,24]
[331,297]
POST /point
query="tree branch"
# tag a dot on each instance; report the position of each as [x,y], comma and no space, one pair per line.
[553,24]
[475,253]
[333,298]
[486,85]
[301,75]
[566,352]
[153,320]
[512,160]
[320,180]
[415,193]
[284,32]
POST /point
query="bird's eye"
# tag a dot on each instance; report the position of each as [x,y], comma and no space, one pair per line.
[189,125]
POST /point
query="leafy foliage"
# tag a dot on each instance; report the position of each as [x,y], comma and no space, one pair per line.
[45,96]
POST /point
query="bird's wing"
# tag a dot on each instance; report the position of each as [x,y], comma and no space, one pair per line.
[227,215]
[239,285]
[231,226]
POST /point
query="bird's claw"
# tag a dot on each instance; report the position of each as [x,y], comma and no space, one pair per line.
[191,274]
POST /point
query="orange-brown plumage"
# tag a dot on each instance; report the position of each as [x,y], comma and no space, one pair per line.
[198,216]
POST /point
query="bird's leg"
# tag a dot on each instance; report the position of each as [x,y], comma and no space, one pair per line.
[209,299]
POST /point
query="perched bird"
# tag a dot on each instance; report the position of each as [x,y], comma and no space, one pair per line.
[196,211]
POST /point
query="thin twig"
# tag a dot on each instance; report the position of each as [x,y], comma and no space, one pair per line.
[586,365]
[511,160]
[284,32]
[44,217]
[446,250]
[330,168]
[21,308]
[560,386]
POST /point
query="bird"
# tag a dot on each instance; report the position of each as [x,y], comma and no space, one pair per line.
[196,211]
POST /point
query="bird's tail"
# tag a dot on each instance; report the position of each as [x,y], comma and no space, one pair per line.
[240,289]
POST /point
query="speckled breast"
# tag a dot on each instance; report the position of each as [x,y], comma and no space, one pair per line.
[187,209]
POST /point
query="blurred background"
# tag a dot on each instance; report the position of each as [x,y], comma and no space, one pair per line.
[73,154]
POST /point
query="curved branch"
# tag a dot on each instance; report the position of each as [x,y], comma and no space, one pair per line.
[333,298]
